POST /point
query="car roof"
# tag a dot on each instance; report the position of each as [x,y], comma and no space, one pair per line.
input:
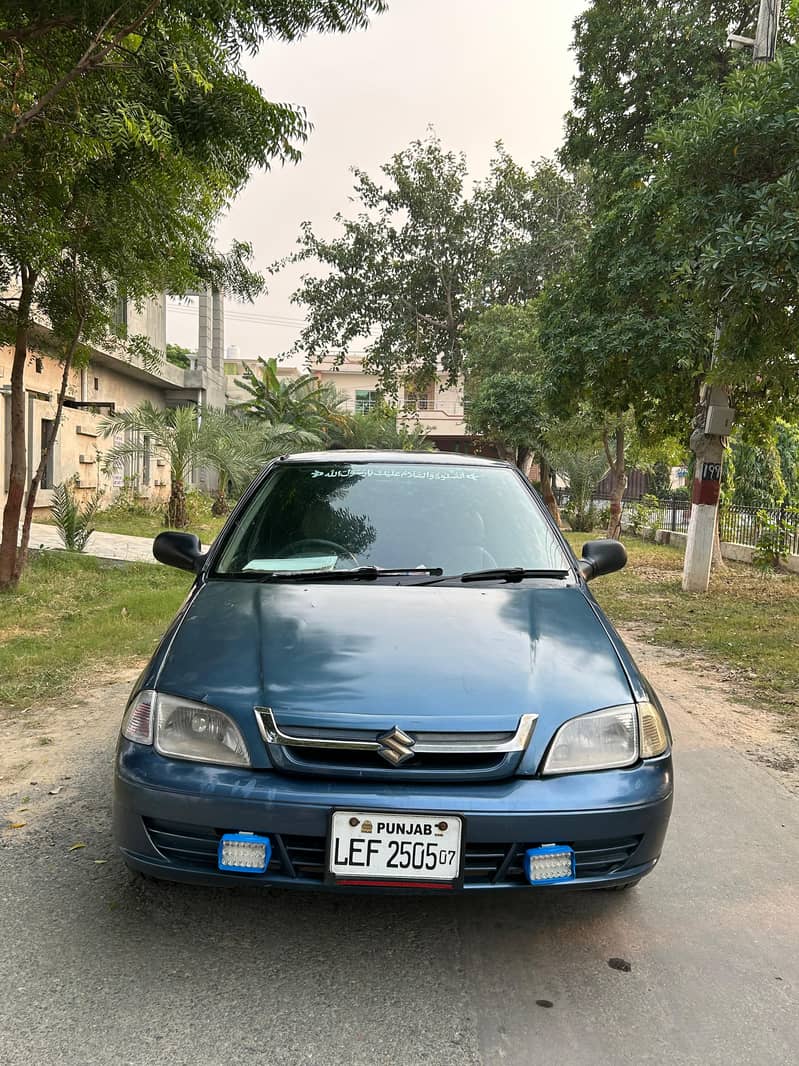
[341,455]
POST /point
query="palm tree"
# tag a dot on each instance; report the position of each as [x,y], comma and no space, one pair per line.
[303,402]
[175,432]
[380,428]
[237,447]
[583,465]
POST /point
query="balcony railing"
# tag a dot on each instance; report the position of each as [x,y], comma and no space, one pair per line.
[431,408]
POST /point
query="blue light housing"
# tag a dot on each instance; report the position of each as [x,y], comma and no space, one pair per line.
[549,864]
[244,853]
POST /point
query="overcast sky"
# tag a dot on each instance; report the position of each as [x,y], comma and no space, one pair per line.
[478,71]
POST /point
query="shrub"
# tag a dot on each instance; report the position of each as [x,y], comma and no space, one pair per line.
[643,515]
[73,519]
[776,537]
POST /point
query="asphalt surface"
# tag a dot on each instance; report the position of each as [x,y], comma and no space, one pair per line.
[98,968]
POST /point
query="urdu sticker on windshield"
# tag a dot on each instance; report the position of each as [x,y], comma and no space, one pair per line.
[403,473]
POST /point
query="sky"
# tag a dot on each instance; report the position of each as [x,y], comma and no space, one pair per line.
[477,71]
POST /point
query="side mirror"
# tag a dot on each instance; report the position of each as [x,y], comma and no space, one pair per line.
[601,557]
[182,550]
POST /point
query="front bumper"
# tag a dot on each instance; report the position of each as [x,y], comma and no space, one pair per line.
[169,815]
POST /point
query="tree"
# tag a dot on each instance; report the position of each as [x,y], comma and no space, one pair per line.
[580,459]
[637,61]
[118,153]
[236,447]
[178,356]
[424,255]
[382,427]
[174,432]
[303,401]
[505,371]
[66,61]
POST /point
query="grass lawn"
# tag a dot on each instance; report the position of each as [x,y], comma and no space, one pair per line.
[73,615]
[142,523]
[749,621]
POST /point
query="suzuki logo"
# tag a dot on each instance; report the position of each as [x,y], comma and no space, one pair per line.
[396,747]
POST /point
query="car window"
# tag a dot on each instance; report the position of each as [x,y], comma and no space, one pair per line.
[338,516]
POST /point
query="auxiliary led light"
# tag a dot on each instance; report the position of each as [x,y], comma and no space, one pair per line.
[549,864]
[245,853]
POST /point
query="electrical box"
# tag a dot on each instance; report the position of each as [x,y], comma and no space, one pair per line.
[719,421]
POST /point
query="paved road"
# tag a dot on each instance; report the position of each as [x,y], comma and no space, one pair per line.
[103,545]
[98,969]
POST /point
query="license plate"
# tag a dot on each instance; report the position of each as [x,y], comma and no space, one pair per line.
[371,846]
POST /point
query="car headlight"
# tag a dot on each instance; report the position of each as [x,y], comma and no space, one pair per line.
[602,740]
[184,729]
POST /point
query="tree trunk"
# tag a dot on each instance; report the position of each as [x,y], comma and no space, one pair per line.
[220,504]
[618,481]
[176,514]
[546,490]
[9,574]
[47,447]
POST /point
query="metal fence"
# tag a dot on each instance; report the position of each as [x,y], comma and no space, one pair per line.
[737,525]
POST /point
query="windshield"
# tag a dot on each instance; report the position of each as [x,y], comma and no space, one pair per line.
[391,515]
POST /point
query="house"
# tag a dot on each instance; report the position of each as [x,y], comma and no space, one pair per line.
[438,408]
[110,382]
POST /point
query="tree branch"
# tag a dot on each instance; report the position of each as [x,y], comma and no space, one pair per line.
[87,62]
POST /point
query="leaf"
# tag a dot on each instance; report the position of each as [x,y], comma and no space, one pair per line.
[55,791]
[17,825]
[75,847]
[100,862]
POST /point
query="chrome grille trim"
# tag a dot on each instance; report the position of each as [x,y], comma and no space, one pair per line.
[432,743]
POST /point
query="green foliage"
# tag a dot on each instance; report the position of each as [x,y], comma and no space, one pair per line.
[583,464]
[73,617]
[236,447]
[174,432]
[425,253]
[507,410]
[776,537]
[661,480]
[303,402]
[504,379]
[123,134]
[756,473]
[73,518]
[642,517]
[178,356]
[638,61]
[382,428]
[702,226]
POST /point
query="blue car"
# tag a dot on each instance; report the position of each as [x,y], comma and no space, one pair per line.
[390,675]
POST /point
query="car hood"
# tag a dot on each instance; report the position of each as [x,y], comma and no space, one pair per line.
[369,655]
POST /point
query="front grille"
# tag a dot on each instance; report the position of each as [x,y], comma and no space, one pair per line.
[302,858]
[324,762]
[393,753]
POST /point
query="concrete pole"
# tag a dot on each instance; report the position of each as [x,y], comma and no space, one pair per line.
[707,443]
[768,21]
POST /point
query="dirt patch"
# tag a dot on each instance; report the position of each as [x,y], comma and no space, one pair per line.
[705,693]
[41,746]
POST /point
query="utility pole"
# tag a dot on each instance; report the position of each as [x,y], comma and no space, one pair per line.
[714,418]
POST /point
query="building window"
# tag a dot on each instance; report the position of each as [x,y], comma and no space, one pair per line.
[420,399]
[96,384]
[47,474]
[366,400]
[39,365]
[145,461]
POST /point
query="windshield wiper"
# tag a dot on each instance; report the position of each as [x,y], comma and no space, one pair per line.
[362,573]
[503,573]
